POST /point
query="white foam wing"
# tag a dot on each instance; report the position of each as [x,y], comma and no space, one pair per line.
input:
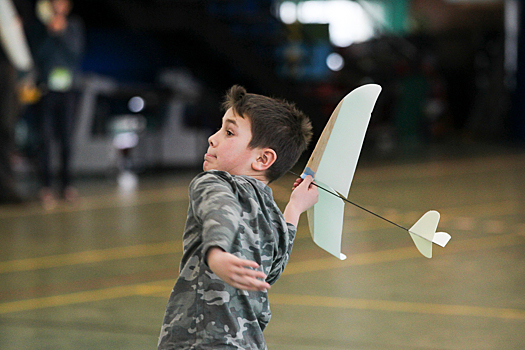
[337,166]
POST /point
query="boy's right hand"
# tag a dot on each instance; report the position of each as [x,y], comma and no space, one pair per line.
[238,273]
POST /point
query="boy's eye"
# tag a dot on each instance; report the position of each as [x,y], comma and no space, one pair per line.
[229,133]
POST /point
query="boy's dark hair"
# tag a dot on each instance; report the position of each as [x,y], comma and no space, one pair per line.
[275,124]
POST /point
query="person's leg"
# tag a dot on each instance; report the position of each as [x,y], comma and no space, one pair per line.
[8,117]
[65,134]
[47,124]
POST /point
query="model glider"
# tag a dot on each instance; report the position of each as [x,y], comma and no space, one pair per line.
[333,163]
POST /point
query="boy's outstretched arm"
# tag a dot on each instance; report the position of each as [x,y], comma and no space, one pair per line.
[241,273]
[304,195]
[236,271]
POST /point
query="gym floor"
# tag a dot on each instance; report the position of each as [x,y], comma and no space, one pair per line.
[97,275]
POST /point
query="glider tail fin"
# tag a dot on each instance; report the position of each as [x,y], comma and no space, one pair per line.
[424,233]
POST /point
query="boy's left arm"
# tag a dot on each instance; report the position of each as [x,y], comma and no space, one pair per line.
[304,196]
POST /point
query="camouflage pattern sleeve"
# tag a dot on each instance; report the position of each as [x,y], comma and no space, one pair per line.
[239,215]
[216,209]
[284,251]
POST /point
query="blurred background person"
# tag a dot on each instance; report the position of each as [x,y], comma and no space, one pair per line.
[16,66]
[57,56]
[8,117]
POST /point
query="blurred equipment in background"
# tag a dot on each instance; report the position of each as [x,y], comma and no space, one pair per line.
[128,128]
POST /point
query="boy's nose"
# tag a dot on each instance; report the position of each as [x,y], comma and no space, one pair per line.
[210,140]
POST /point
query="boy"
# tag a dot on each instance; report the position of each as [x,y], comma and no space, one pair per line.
[236,241]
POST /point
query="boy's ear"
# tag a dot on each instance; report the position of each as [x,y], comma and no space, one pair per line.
[265,159]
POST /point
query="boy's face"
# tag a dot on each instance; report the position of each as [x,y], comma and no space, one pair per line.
[228,148]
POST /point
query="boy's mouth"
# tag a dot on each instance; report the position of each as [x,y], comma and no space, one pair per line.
[208,156]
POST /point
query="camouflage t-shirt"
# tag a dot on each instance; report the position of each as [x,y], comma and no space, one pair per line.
[239,215]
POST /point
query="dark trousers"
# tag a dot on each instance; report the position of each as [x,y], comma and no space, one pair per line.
[8,117]
[57,123]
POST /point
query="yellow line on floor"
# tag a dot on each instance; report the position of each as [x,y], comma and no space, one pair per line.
[292,268]
[173,247]
[162,288]
[114,200]
[82,297]
[399,254]
[91,256]
[395,306]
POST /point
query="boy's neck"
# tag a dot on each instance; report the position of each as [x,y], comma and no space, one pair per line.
[259,177]
[263,179]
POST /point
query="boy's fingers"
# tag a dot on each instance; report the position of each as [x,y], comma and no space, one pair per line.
[256,274]
[244,269]
[249,279]
[251,273]
[246,278]
[256,285]
[297,183]
[307,181]
[251,284]
[239,262]
[248,263]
